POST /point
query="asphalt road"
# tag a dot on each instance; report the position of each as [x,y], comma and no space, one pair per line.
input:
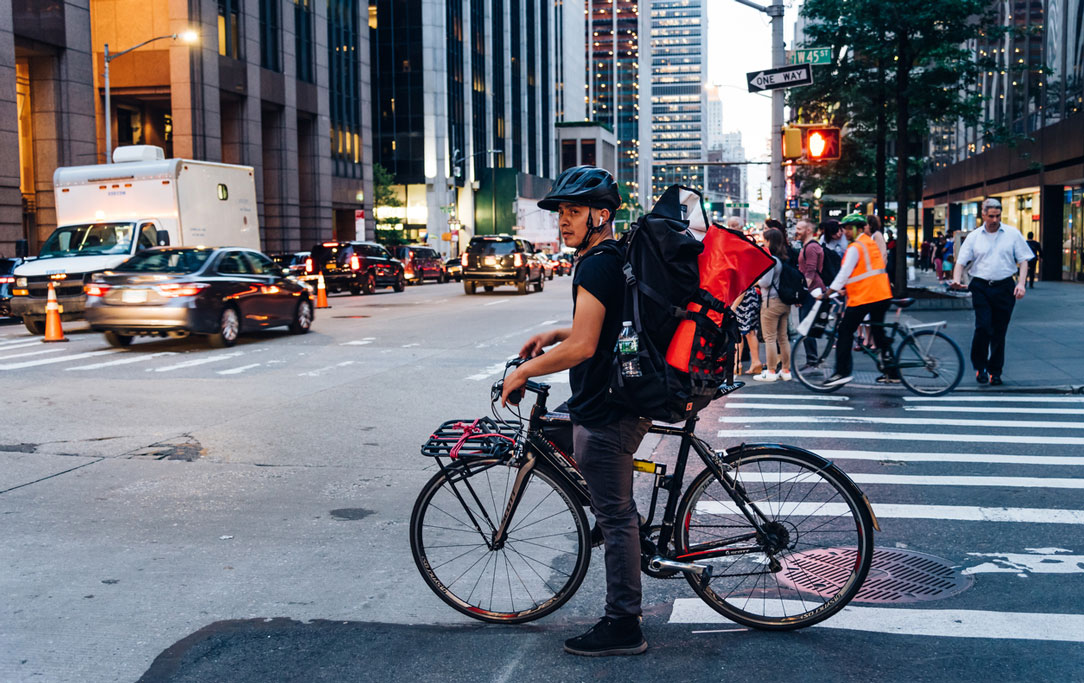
[178,513]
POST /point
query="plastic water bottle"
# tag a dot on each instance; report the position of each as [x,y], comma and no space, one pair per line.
[628,345]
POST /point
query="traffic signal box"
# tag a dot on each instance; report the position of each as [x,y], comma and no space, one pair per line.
[806,143]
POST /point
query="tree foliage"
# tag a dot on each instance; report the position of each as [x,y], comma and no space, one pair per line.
[385,197]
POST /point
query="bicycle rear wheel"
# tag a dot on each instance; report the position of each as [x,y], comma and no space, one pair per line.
[930,363]
[812,362]
[538,568]
[813,556]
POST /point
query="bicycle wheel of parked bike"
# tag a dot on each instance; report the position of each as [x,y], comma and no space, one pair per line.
[930,363]
[813,362]
[813,555]
[537,568]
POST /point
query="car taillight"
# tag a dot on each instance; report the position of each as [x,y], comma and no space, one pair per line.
[355,262]
[518,260]
[95,289]
[179,290]
[308,265]
[7,280]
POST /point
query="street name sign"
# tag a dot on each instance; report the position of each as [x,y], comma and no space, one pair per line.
[783,77]
[811,55]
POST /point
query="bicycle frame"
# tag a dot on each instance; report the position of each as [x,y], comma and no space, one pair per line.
[892,330]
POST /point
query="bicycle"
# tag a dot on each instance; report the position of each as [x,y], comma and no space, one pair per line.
[928,361]
[770,536]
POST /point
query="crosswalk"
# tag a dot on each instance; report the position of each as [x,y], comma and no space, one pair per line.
[956,476]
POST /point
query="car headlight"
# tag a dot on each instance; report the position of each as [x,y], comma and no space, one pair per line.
[20,282]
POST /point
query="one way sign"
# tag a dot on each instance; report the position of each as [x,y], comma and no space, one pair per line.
[783,77]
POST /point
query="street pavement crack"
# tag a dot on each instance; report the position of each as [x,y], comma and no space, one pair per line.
[51,476]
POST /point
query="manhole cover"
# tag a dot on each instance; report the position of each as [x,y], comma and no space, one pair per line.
[896,575]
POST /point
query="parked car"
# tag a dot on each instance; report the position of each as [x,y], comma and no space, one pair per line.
[176,291]
[453,268]
[420,263]
[547,264]
[7,282]
[294,261]
[357,266]
[493,260]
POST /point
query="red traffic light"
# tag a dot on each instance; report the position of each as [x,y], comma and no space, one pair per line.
[822,144]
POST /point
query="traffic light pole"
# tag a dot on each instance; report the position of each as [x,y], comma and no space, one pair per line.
[777,201]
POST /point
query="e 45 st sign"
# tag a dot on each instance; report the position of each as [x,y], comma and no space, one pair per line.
[805,143]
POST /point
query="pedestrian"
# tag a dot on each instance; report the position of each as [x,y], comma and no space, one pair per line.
[992,256]
[947,258]
[1033,264]
[747,310]
[862,275]
[810,263]
[939,256]
[832,237]
[774,314]
[604,436]
[924,255]
[873,229]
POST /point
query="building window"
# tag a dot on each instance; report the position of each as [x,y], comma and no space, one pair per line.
[229,28]
[587,153]
[516,64]
[456,116]
[398,88]
[478,21]
[568,154]
[343,87]
[270,32]
[303,39]
[545,91]
[532,88]
[498,78]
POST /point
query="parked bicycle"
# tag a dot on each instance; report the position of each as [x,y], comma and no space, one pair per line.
[927,360]
[770,536]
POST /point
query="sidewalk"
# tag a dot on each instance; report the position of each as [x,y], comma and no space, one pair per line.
[1045,344]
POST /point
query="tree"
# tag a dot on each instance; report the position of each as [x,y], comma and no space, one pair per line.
[912,53]
[388,230]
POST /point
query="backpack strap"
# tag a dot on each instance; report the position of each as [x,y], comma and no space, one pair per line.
[642,288]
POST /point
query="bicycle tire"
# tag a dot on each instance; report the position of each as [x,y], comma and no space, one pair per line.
[924,380]
[523,573]
[820,569]
[812,373]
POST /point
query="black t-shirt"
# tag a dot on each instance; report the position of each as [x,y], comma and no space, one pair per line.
[599,272]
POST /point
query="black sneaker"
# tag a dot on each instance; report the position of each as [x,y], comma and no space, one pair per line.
[596,536]
[995,380]
[609,637]
[981,377]
[837,380]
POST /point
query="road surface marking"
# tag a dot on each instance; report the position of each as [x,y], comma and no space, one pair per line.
[409,346]
[783,406]
[238,370]
[55,349]
[130,358]
[995,399]
[917,421]
[931,480]
[777,434]
[956,513]
[494,303]
[1035,561]
[953,623]
[548,322]
[361,342]
[48,361]
[1058,460]
[197,361]
[488,372]
[995,409]
[23,343]
[802,397]
[319,371]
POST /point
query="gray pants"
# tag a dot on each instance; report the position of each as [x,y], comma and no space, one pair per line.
[604,455]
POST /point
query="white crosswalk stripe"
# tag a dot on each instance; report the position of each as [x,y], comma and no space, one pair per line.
[910,421]
[197,361]
[841,435]
[133,358]
[32,353]
[54,359]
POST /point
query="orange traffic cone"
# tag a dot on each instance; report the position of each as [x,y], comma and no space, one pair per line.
[321,292]
[53,332]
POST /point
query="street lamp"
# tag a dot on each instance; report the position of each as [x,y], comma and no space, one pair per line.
[458,158]
[188,36]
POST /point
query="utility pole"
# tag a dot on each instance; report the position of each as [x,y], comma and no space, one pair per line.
[776,206]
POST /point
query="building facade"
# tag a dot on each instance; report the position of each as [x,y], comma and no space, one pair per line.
[1029,151]
[678,100]
[279,85]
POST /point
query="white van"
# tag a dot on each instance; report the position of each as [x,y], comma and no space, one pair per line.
[106,213]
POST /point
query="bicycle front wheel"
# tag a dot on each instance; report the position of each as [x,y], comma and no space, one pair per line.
[535,571]
[929,362]
[811,360]
[809,558]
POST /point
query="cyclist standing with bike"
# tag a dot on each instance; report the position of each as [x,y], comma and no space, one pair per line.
[869,292]
[604,437]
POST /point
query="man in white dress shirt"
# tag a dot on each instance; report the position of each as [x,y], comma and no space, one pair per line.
[994,254]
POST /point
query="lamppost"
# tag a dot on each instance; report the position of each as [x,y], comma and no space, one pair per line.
[458,159]
[188,36]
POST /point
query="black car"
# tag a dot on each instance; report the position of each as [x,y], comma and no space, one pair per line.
[7,281]
[177,291]
[453,267]
[492,260]
[357,266]
[294,261]
[420,263]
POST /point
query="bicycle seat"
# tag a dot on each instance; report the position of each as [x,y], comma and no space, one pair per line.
[903,303]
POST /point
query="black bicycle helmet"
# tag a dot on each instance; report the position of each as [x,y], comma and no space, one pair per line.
[584,185]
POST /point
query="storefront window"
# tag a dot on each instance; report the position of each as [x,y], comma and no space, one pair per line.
[1072,233]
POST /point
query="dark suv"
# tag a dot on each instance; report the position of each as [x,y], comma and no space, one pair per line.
[357,266]
[7,282]
[420,263]
[492,260]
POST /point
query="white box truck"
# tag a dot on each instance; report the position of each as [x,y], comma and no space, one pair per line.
[108,212]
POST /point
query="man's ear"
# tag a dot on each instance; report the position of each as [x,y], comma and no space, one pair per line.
[603,217]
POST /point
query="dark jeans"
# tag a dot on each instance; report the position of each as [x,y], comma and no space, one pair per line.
[1031,272]
[852,318]
[604,455]
[993,303]
[803,310]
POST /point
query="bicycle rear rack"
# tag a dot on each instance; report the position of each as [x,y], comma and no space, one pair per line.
[481,438]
